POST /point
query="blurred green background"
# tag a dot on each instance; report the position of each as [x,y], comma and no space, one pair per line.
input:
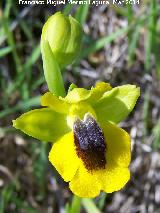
[121,44]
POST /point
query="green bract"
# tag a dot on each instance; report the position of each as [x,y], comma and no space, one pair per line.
[64,35]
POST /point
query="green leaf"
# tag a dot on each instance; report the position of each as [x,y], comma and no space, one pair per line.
[51,70]
[115,105]
[43,124]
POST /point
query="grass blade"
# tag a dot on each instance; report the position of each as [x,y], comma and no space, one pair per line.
[31,60]
[89,206]
[156,135]
[4,51]
[5,197]
[7,8]
[146,107]
[100,43]
[12,44]
[22,106]
[150,42]
[101,201]
[76,205]
[67,9]
[82,12]
[133,44]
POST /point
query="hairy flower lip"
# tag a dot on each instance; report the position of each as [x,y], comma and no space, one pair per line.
[90,143]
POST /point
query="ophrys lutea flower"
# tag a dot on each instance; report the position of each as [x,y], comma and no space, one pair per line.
[90,151]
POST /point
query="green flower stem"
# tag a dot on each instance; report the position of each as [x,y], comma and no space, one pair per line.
[51,70]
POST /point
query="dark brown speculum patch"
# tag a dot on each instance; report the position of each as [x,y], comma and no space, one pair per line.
[90,143]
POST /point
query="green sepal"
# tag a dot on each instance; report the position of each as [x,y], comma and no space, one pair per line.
[43,124]
[116,104]
[51,70]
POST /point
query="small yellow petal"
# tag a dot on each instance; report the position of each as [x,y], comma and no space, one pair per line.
[102,86]
[64,158]
[54,102]
[97,91]
[76,95]
[84,183]
[91,96]
[118,145]
[113,178]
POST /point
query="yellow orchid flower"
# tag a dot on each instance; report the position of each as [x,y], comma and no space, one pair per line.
[90,151]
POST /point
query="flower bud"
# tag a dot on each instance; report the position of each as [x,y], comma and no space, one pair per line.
[64,35]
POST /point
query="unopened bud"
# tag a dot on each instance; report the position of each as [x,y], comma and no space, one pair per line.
[64,35]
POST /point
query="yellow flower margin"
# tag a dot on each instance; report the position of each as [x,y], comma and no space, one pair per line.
[55,123]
